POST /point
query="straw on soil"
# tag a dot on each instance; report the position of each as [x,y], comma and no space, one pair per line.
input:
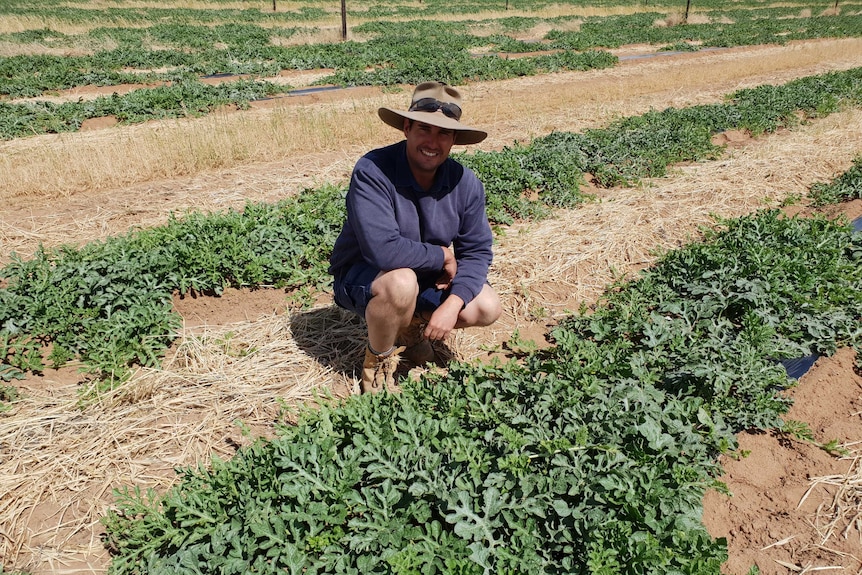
[60,461]
[841,514]
[551,268]
[518,109]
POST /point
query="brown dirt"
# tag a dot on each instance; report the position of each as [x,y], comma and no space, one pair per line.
[540,274]
[779,519]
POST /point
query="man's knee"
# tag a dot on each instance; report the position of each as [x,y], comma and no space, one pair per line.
[397,287]
[485,308]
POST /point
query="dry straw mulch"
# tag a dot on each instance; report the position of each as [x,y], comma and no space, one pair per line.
[61,460]
[840,515]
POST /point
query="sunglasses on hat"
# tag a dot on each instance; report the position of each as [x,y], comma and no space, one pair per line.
[432,105]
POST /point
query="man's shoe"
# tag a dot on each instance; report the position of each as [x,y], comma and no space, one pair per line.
[378,371]
[417,348]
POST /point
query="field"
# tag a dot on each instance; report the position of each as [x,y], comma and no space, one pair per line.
[242,362]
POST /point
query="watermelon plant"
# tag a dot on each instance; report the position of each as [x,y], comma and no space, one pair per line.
[845,187]
[181,45]
[109,303]
[591,456]
[188,98]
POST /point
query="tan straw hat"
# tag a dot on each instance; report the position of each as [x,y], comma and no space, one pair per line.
[437,104]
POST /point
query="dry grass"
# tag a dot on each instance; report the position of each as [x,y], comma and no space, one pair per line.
[678,18]
[60,165]
[671,20]
[61,462]
[840,513]
[69,163]
[327,34]
[535,33]
[22,23]
[10,49]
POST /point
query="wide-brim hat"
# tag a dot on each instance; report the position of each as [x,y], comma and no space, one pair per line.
[436,104]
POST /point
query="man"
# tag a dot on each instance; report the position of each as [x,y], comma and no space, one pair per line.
[416,245]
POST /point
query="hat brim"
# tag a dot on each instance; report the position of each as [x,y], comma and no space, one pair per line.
[463,134]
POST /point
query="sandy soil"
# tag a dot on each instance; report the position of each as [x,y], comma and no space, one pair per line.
[794,507]
[778,517]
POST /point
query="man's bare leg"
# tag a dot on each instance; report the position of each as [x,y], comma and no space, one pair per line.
[484,310]
[391,307]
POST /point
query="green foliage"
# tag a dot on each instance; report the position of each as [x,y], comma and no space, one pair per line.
[8,395]
[407,46]
[524,182]
[488,470]
[644,146]
[591,456]
[745,26]
[109,303]
[717,315]
[508,182]
[679,47]
[588,457]
[767,108]
[631,149]
[845,187]
[411,52]
[800,431]
[183,99]
[402,53]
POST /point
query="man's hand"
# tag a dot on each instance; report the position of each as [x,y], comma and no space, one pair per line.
[450,267]
[444,318]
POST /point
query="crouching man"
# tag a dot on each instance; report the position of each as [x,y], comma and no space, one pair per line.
[413,256]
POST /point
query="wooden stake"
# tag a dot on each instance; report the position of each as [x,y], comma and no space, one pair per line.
[343,20]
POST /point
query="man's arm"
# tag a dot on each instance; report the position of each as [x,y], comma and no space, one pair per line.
[473,247]
[450,268]
[371,211]
[472,255]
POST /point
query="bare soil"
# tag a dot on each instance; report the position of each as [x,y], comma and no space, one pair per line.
[59,464]
[790,510]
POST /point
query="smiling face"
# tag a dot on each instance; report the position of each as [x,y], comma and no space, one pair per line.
[427,148]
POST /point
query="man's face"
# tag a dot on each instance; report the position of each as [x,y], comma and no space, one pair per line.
[427,148]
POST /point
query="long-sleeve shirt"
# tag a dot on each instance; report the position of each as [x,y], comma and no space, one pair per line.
[392,223]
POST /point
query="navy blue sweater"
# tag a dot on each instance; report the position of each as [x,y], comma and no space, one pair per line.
[391,223]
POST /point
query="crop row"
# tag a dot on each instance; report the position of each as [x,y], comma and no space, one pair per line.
[592,456]
[846,187]
[399,52]
[733,28]
[260,11]
[182,99]
[189,97]
[107,304]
